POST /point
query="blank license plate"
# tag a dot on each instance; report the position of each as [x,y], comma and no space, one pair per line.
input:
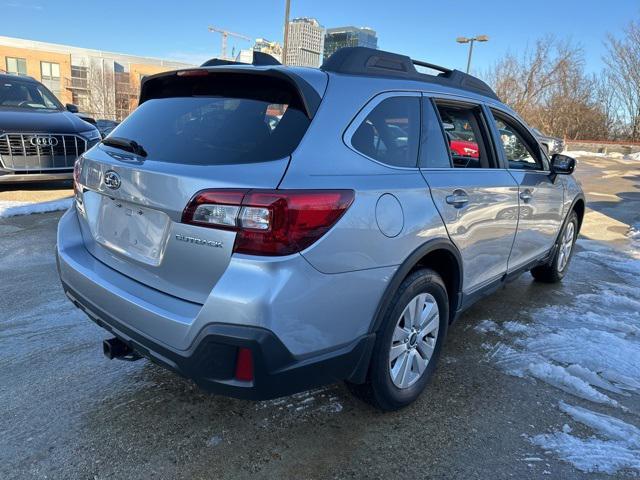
[136,232]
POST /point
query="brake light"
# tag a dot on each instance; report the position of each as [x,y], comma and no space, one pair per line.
[269,222]
[192,73]
[244,365]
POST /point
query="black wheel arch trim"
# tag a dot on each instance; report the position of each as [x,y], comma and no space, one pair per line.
[577,198]
[407,266]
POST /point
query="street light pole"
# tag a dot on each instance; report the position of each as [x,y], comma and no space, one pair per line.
[285,43]
[470,41]
[470,54]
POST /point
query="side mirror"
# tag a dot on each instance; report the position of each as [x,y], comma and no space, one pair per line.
[562,164]
[72,108]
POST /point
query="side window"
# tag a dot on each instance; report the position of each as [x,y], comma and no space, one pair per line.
[390,133]
[518,152]
[433,150]
[463,129]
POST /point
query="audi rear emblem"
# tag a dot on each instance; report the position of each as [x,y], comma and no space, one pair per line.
[43,141]
[112,180]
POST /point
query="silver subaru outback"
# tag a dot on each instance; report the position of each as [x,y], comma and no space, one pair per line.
[264,229]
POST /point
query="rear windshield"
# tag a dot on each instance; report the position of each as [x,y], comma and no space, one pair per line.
[220,119]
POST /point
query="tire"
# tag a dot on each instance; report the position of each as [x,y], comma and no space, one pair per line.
[555,271]
[424,290]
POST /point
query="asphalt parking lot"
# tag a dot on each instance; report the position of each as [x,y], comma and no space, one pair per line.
[68,412]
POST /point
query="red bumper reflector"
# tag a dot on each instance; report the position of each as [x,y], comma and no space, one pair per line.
[244,365]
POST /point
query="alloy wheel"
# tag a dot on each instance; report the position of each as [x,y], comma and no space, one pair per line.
[414,340]
[566,244]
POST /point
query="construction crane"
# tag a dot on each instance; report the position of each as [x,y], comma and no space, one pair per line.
[225,35]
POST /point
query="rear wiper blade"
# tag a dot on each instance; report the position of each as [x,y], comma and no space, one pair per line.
[125,144]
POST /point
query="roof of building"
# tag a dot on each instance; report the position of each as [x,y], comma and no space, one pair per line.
[71,50]
[350,28]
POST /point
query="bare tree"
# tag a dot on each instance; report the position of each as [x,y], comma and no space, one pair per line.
[101,86]
[548,87]
[623,62]
[606,98]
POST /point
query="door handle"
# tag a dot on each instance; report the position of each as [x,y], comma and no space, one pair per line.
[459,199]
[526,195]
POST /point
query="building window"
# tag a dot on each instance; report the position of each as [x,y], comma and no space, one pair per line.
[50,73]
[79,77]
[17,66]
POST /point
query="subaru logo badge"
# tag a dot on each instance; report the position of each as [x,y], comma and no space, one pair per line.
[112,180]
[42,141]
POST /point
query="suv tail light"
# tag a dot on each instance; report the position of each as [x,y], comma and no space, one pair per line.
[269,222]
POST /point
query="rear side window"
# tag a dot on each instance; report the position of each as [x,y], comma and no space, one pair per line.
[223,119]
[463,127]
[390,133]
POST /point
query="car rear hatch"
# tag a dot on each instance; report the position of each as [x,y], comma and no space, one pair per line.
[215,128]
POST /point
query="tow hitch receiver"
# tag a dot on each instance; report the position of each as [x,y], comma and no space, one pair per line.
[116,348]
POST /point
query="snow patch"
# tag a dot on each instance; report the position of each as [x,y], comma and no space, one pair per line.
[515,327]
[486,326]
[590,455]
[589,348]
[612,155]
[611,427]
[12,209]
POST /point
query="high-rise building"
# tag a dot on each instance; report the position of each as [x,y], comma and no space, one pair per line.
[305,43]
[340,37]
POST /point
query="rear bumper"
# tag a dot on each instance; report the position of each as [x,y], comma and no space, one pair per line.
[6,177]
[201,341]
[211,361]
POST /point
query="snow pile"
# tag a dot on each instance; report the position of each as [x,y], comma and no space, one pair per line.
[582,153]
[590,349]
[11,209]
[614,155]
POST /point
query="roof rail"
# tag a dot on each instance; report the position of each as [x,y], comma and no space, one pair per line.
[371,62]
[259,59]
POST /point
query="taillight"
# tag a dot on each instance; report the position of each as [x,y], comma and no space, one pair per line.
[269,222]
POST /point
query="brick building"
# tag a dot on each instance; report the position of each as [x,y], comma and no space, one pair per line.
[102,84]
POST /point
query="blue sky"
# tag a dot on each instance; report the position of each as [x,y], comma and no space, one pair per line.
[424,29]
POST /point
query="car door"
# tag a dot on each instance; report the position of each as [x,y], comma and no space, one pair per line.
[477,201]
[541,195]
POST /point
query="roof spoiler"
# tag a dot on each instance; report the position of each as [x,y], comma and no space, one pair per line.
[154,86]
[260,59]
[371,62]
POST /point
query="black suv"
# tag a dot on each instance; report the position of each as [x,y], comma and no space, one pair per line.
[40,139]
